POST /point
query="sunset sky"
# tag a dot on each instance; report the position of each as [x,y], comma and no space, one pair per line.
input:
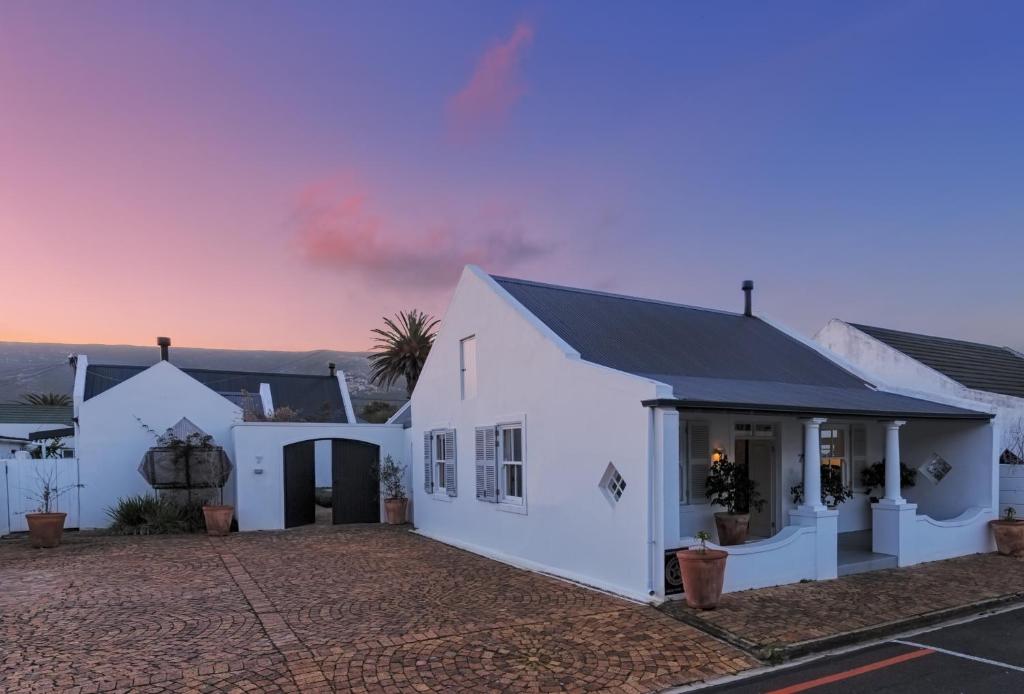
[279,175]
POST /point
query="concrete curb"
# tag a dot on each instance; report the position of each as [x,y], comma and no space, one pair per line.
[782,653]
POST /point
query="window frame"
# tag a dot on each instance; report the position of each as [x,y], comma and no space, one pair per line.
[468,369]
[437,463]
[518,502]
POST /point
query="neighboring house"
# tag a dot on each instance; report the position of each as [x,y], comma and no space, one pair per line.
[119,410]
[24,427]
[989,376]
[571,431]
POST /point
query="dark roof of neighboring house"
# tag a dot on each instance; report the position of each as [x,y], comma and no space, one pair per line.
[712,359]
[981,367]
[312,396]
[36,414]
[65,433]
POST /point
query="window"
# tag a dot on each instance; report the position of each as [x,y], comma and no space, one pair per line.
[467,364]
[439,462]
[835,451]
[440,459]
[612,484]
[510,476]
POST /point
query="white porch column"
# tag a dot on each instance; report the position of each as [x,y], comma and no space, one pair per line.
[663,494]
[812,464]
[892,462]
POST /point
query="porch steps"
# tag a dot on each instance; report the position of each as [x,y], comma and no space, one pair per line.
[855,555]
[861,562]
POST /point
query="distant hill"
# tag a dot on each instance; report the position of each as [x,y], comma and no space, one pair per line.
[30,367]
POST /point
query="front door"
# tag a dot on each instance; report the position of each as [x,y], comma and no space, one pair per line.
[299,484]
[356,496]
[760,467]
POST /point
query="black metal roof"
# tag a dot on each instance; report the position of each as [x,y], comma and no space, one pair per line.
[35,414]
[314,397]
[982,367]
[64,433]
[712,359]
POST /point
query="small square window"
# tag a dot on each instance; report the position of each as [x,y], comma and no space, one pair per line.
[613,485]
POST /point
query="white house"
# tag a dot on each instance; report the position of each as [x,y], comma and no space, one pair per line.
[570,431]
[119,410]
[956,371]
[23,427]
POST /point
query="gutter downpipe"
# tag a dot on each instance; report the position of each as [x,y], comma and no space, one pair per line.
[651,462]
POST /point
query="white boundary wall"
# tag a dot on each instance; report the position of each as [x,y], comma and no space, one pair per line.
[259,462]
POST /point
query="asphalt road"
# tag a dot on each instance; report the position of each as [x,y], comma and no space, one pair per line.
[977,657]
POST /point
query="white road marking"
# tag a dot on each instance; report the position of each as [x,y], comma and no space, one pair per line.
[961,655]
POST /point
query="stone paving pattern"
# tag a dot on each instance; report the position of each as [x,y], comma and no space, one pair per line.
[774,619]
[351,608]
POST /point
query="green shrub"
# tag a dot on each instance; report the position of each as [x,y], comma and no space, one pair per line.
[151,515]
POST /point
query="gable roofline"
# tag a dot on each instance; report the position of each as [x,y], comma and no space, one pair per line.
[544,329]
[612,295]
[907,333]
[972,369]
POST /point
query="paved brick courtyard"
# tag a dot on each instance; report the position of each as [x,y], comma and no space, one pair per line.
[359,608]
[803,617]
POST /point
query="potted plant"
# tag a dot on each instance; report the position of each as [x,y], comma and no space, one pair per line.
[1009,533]
[46,525]
[873,477]
[396,504]
[833,491]
[729,486]
[703,572]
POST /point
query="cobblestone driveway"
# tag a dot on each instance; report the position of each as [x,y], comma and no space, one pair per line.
[364,609]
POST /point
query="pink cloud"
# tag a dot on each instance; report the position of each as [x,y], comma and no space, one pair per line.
[496,84]
[336,228]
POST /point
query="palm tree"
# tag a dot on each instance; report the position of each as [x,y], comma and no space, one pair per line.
[402,348]
[53,399]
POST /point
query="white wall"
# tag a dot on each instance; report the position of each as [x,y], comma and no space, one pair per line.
[968,447]
[259,501]
[577,418]
[111,440]
[1011,488]
[5,526]
[324,474]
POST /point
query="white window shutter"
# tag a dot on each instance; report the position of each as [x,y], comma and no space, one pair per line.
[451,466]
[858,453]
[486,465]
[699,460]
[428,471]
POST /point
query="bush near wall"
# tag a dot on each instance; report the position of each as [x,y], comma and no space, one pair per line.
[152,515]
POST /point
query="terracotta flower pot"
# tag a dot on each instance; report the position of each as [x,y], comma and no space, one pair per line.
[732,528]
[218,519]
[396,510]
[45,529]
[1009,536]
[703,576]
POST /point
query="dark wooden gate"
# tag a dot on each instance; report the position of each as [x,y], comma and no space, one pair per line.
[299,484]
[355,484]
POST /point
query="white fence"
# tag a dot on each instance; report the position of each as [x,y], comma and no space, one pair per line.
[1011,488]
[22,482]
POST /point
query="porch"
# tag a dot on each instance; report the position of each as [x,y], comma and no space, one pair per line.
[804,536]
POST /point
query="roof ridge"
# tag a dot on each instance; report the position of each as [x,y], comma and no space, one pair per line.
[207,370]
[1009,350]
[611,295]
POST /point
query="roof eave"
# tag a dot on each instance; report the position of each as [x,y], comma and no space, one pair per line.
[750,408]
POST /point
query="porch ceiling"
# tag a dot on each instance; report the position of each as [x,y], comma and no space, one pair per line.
[794,398]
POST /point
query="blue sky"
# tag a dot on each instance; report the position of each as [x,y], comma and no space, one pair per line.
[857,160]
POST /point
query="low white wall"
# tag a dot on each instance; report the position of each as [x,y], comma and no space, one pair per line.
[968,533]
[1011,488]
[259,446]
[788,557]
